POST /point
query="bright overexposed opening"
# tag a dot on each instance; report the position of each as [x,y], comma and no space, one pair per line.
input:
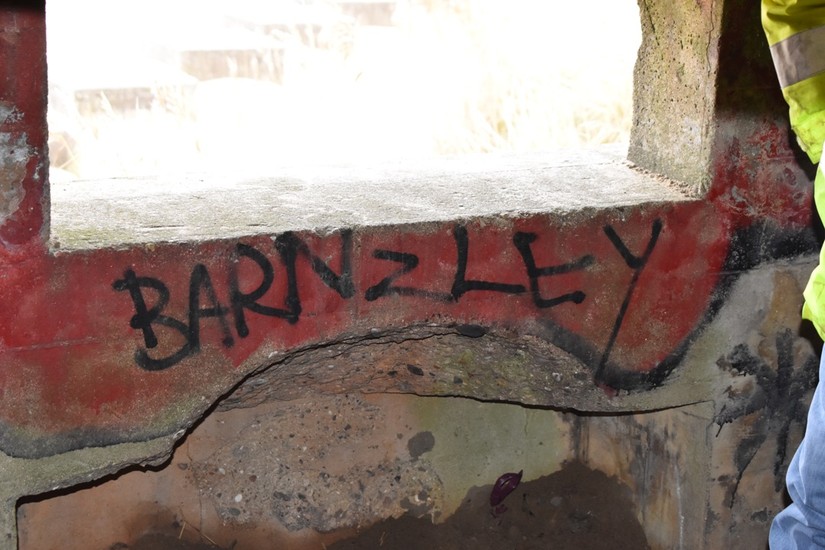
[140,87]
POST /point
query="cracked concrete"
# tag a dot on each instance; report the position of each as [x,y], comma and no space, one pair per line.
[27,478]
[295,470]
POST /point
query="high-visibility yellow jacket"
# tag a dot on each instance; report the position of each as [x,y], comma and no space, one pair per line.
[796,35]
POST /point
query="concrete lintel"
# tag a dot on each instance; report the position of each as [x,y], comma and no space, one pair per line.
[123,211]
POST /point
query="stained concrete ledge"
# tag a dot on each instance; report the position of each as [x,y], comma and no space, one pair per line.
[122,211]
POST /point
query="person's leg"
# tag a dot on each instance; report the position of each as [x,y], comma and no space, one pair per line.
[802,524]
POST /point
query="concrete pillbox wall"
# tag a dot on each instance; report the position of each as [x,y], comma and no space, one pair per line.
[672,285]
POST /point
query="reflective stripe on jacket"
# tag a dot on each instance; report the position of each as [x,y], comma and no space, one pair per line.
[814,307]
[796,35]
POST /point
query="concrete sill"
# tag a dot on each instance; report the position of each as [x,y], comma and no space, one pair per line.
[121,212]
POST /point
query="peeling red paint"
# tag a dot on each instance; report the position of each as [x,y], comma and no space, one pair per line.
[756,178]
[23,88]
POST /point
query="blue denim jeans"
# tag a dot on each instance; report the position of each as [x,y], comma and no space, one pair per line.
[802,524]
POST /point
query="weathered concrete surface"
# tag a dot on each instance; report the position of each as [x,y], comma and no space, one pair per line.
[391,454]
[123,211]
[674,99]
[42,475]
[114,338]
[765,383]
[351,458]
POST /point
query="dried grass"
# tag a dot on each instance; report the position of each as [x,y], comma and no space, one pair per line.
[450,77]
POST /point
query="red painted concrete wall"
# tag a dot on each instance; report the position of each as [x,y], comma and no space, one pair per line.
[23,207]
[119,345]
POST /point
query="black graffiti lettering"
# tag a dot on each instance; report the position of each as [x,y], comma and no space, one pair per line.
[637,264]
[287,246]
[144,318]
[461,285]
[342,284]
[148,313]
[200,280]
[385,287]
[523,242]
[240,301]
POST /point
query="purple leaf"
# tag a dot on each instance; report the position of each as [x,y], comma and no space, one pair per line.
[504,485]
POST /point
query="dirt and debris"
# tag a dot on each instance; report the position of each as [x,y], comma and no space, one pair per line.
[573,508]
